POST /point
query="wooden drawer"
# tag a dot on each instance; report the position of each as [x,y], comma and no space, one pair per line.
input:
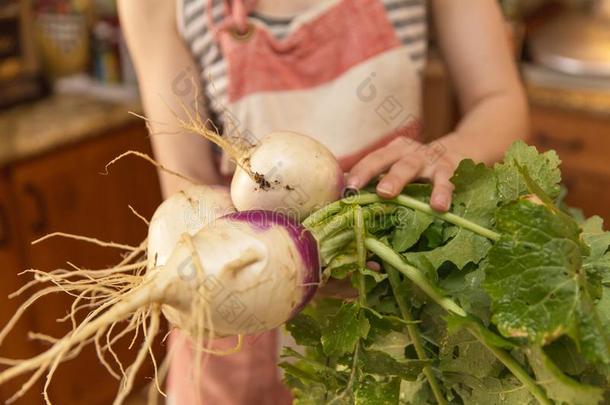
[589,191]
[581,140]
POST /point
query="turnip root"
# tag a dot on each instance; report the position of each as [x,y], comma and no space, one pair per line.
[254,269]
[289,173]
[211,271]
[283,171]
[243,273]
[186,211]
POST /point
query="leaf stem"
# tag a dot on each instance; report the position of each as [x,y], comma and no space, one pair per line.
[415,204]
[359,232]
[333,245]
[413,332]
[333,208]
[516,369]
[388,255]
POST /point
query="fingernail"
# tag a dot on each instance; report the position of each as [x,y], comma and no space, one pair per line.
[385,189]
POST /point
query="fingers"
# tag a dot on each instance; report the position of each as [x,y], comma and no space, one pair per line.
[374,164]
[442,190]
[405,163]
[402,172]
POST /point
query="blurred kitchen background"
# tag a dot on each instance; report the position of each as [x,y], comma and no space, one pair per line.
[66,86]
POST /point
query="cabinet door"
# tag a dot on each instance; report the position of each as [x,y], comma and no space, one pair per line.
[581,140]
[589,191]
[65,191]
[583,144]
[15,345]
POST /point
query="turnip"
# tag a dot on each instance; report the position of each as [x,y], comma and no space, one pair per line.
[242,273]
[287,172]
[186,211]
[282,171]
[211,271]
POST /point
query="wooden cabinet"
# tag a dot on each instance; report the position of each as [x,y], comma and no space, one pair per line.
[65,191]
[583,143]
[11,262]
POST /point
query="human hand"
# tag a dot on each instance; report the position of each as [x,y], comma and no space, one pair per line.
[405,160]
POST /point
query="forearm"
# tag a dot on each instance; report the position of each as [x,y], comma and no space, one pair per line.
[490,127]
[169,84]
[181,151]
[475,43]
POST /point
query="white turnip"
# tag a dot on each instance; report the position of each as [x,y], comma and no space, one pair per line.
[289,173]
[282,171]
[243,273]
[187,211]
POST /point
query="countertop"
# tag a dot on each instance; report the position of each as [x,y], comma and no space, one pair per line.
[585,101]
[32,129]
[558,90]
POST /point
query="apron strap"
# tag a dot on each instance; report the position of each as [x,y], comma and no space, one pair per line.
[236,16]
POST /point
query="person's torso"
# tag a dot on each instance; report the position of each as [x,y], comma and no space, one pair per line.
[346,72]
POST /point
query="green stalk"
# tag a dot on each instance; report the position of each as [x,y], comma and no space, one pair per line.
[411,202]
[388,255]
[338,222]
[516,369]
[331,246]
[361,251]
[406,201]
[333,208]
[345,220]
[413,332]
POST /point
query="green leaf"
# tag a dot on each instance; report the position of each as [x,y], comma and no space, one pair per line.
[535,279]
[592,332]
[436,234]
[375,275]
[455,323]
[564,353]
[382,364]
[305,393]
[597,261]
[341,265]
[595,237]
[460,352]
[416,392]
[394,344]
[532,273]
[300,373]
[466,288]
[475,198]
[558,386]
[543,168]
[490,390]
[343,330]
[304,330]
[410,226]
[372,392]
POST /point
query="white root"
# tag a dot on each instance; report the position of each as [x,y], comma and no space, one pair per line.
[85,239]
[87,328]
[127,383]
[150,160]
[118,294]
[138,215]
